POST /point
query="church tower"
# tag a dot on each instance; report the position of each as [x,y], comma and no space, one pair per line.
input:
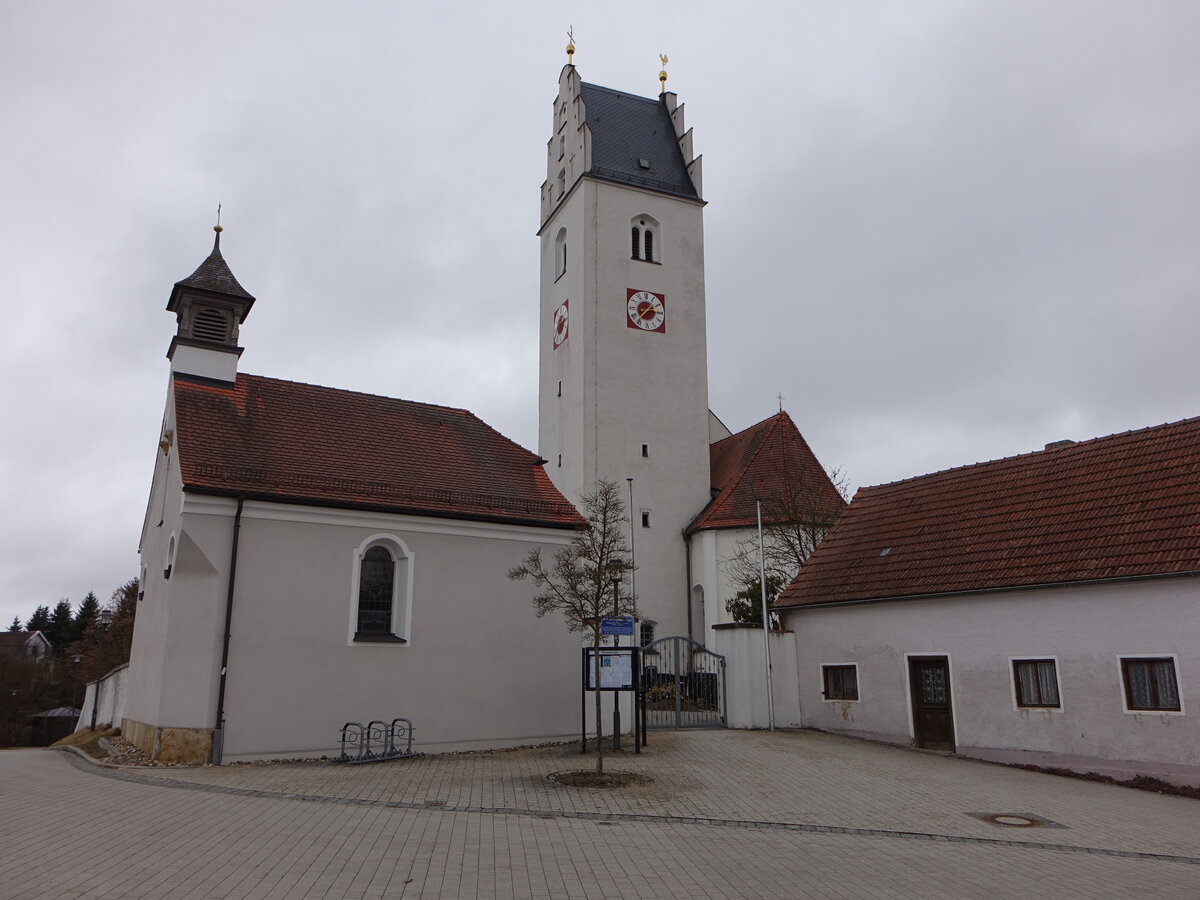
[623,362]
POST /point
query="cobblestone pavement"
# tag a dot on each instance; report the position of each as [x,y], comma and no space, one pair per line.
[728,814]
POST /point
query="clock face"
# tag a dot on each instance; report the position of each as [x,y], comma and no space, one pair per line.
[560,324]
[646,310]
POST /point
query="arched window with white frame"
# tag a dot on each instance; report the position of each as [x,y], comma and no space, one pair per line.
[382,590]
[645,235]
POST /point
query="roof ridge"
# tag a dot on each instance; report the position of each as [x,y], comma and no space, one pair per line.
[1028,453]
[325,387]
[619,93]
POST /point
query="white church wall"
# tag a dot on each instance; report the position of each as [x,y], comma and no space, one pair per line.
[479,670]
[981,635]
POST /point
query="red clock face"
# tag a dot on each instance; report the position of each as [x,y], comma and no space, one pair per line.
[561,324]
[646,311]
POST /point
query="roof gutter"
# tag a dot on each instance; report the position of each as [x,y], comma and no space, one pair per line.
[1127,579]
[219,729]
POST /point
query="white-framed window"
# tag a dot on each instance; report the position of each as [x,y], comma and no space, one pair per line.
[562,182]
[839,681]
[381,591]
[1150,683]
[645,238]
[1035,682]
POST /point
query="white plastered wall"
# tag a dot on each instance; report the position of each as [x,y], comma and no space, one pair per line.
[480,669]
[1086,628]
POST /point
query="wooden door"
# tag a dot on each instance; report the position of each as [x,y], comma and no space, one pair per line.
[933,716]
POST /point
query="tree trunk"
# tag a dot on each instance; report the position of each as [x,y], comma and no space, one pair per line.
[599,719]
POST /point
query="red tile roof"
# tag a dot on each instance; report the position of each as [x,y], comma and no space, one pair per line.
[1114,507]
[285,441]
[763,461]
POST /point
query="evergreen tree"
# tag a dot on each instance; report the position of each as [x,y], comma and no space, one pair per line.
[88,607]
[61,626]
[16,625]
[40,620]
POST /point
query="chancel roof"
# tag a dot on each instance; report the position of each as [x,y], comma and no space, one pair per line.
[1122,506]
[625,129]
[291,442]
[765,461]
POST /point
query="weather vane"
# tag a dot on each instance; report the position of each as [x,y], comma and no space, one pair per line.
[662,75]
[217,228]
[779,397]
[571,45]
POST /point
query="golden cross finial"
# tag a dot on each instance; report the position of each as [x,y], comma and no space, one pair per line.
[570,45]
[217,228]
[662,75]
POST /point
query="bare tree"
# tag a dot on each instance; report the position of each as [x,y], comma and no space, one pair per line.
[796,513]
[587,579]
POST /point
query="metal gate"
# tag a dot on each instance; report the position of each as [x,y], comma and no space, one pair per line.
[684,684]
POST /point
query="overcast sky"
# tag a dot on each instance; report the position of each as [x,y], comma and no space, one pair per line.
[944,231]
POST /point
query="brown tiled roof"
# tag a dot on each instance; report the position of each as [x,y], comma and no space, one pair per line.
[763,461]
[281,440]
[15,638]
[1121,506]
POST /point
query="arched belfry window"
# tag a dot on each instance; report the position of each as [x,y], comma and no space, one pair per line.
[382,586]
[560,253]
[645,238]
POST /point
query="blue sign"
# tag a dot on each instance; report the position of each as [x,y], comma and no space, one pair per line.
[617,625]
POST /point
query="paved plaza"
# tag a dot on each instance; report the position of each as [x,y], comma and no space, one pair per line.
[726,814]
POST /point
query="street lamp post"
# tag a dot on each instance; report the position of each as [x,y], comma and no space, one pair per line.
[616,583]
[104,620]
[75,681]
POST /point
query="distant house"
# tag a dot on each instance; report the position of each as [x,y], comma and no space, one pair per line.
[29,644]
[1039,609]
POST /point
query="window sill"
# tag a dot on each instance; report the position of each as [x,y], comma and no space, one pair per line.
[653,262]
[370,637]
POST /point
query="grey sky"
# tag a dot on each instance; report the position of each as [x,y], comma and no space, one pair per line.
[944,231]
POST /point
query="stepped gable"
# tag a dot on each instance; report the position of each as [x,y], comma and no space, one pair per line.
[1122,506]
[289,442]
[766,460]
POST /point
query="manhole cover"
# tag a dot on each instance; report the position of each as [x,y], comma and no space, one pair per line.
[1016,820]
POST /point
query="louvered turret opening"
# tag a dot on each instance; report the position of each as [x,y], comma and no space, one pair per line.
[211,325]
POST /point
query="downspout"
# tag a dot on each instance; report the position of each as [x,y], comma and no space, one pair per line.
[687,581]
[219,730]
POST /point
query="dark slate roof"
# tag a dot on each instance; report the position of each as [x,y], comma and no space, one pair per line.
[764,461]
[290,442]
[1122,506]
[214,275]
[626,128]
